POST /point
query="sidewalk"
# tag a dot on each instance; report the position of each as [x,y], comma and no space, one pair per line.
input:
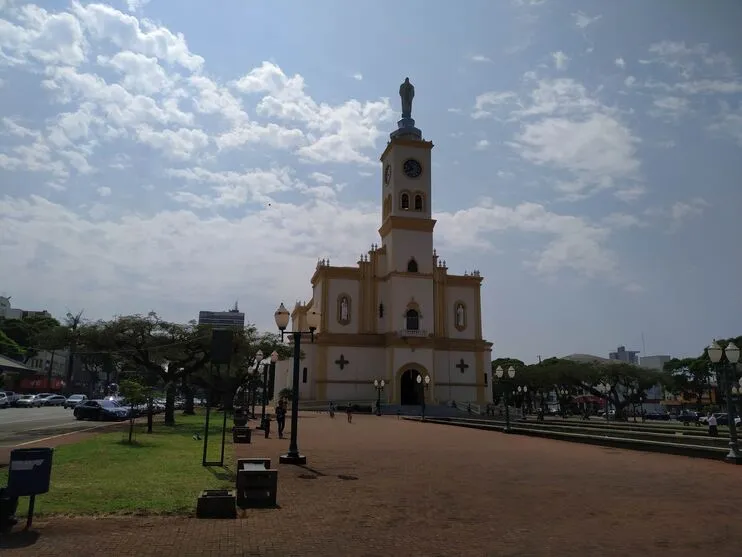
[382,486]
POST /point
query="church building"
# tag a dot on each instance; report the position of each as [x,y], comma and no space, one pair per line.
[397,314]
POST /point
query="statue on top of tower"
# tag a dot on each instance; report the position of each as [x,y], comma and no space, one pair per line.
[407,93]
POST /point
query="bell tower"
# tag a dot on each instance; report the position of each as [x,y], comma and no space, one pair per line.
[406,175]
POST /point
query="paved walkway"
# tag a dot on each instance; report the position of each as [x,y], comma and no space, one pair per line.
[382,486]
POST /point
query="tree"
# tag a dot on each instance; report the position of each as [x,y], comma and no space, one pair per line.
[618,377]
[10,348]
[26,332]
[136,394]
[161,351]
[226,380]
[692,377]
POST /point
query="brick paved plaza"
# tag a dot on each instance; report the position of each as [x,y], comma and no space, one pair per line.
[428,490]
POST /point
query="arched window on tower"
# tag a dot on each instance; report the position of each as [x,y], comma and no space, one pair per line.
[412,319]
[412,266]
[418,202]
[405,202]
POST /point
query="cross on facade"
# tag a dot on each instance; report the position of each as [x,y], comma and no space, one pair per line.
[461,365]
[342,361]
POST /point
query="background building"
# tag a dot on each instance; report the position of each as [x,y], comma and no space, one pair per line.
[655,362]
[623,355]
[230,318]
[9,312]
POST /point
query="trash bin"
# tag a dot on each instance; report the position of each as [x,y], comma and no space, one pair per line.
[29,472]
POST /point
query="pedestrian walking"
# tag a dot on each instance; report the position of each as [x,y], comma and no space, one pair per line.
[281,418]
[332,409]
[713,425]
[349,413]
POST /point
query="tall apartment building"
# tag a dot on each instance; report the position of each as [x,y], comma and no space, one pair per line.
[225,319]
[655,362]
[623,355]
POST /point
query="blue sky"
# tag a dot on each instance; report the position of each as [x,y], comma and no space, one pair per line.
[177,156]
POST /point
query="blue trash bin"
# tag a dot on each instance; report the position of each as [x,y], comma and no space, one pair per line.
[29,472]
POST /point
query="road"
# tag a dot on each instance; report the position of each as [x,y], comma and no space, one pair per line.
[23,425]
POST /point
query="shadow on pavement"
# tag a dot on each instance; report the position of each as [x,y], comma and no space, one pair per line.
[18,539]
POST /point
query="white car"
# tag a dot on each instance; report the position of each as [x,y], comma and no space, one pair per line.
[28,401]
[4,402]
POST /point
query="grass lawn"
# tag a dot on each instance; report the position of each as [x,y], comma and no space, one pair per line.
[160,474]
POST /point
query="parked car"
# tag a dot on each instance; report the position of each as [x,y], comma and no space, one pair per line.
[41,397]
[688,416]
[74,400]
[54,400]
[12,397]
[662,416]
[100,410]
[28,401]
[4,402]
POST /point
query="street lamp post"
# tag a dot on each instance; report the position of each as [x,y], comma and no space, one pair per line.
[563,392]
[605,390]
[272,377]
[501,375]
[255,371]
[379,386]
[631,393]
[264,365]
[729,375]
[424,384]
[282,321]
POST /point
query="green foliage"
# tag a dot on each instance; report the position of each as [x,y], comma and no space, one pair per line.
[156,476]
[134,392]
[10,348]
[691,377]
[286,394]
[28,333]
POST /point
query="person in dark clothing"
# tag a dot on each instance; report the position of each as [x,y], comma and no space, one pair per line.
[349,412]
[281,418]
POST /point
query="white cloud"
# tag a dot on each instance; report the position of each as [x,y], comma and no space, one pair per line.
[136,5]
[321,178]
[105,23]
[42,37]
[338,133]
[481,145]
[563,127]
[142,257]
[480,58]
[620,62]
[485,102]
[104,191]
[141,74]
[729,123]
[560,60]
[358,76]
[669,107]
[232,189]
[582,20]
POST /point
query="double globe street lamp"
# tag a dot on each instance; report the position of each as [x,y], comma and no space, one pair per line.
[727,373]
[510,375]
[264,366]
[424,384]
[282,317]
[379,386]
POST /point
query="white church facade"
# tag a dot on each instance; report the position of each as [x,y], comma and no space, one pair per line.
[397,313]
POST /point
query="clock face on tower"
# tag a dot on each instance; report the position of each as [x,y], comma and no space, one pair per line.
[412,168]
[387,174]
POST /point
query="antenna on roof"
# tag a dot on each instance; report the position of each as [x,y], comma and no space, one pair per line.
[236,307]
[644,346]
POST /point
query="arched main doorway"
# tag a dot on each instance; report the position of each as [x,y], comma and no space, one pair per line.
[409,390]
